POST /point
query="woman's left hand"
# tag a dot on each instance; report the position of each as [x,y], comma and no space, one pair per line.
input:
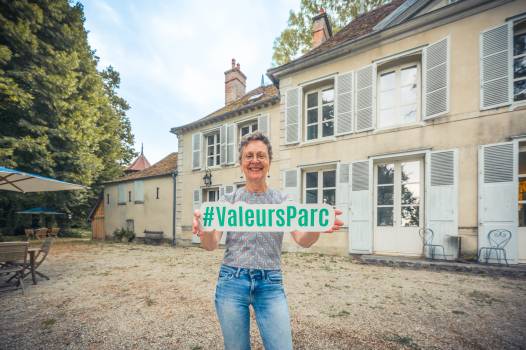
[337,223]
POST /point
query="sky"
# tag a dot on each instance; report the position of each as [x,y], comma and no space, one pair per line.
[172,55]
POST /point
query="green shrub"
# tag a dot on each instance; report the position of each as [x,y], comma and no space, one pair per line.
[129,235]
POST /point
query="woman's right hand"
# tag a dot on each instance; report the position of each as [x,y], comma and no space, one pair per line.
[196,223]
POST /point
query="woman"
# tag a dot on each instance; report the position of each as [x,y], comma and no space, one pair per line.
[251,270]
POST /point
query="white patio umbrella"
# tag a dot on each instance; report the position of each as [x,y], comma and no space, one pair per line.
[19,181]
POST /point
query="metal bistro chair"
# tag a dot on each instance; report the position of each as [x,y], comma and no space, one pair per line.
[13,261]
[498,239]
[427,236]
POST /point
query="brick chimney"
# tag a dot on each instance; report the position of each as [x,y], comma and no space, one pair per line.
[235,83]
[321,29]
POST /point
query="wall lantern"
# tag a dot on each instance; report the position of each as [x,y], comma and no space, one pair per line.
[207,178]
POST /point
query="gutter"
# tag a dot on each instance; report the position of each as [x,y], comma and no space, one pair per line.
[174,177]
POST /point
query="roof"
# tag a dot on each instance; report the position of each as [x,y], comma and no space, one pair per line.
[359,27]
[257,98]
[165,166]
[139,164]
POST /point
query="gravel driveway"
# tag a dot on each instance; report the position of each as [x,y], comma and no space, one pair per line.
[132,296]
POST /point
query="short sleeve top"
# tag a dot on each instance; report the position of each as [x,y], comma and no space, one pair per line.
[254,250]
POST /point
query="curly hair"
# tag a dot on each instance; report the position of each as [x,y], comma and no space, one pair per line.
[256,136]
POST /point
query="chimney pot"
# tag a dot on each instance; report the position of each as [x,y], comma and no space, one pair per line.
[233,63]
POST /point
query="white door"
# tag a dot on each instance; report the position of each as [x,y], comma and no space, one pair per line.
[398,207]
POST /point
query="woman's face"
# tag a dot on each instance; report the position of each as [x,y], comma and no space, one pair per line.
[255,161]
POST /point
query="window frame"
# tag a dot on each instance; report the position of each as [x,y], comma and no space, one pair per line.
[513,57]
[247,123]
[397,68]
[319,107]
[217,147]
[320,188]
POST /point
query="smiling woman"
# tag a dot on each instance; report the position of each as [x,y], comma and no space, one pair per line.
[251,270]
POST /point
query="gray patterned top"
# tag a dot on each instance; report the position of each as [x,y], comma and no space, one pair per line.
[254,250]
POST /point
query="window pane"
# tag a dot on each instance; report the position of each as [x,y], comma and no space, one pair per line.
[387,81]
[408,113]
[522,162]
[522,189]
[210,150]
[254,127]
[387,99]
[387,118]
[385,195]
[210,161]
[218,160]
[407,94]
[329,197]
[312,116]
[519,67]
[210,139]
[312,132]
[327,128]
[522,215]
[408,76]
[329,178]
[384,217]
[245,130]
[212,196]
[328,112]
[410,216]
[312,196]
[385,174]
[411,194]
[312,99]
[411,171]
[519,90]
[519,44]
[312,180]
[327,96]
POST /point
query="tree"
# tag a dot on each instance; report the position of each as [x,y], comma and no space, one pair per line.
[296,39]
[59,116]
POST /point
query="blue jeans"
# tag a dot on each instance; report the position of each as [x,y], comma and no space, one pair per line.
[237,288]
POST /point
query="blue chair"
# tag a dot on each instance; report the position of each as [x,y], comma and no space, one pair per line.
[498,239]
[427,236]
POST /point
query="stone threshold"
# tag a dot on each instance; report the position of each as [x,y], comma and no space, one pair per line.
[518,271]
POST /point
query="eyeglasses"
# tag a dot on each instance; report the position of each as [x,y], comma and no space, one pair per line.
[250,157]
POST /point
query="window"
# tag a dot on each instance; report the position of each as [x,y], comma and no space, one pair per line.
[129,196]
[211,195]
[519,61]
[108,199]
[121,194]
[522,184]
[320,113]
[398,95]
[410,193]
[212,149]
[247,128]
[385,195]
[157,193]
[138,187]
[320,187]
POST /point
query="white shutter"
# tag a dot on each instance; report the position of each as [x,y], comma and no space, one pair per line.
[293,111]
[291,184]
[343,190]
[360,232]
[231,144]
[436,79]
[495,67]
[196,150]
[364,105]
[264,124]
[197,198]
[344,103]
[138,189]
[442,199]
[222,144]
[498,203]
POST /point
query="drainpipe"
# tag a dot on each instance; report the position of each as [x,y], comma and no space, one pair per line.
[174,178]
